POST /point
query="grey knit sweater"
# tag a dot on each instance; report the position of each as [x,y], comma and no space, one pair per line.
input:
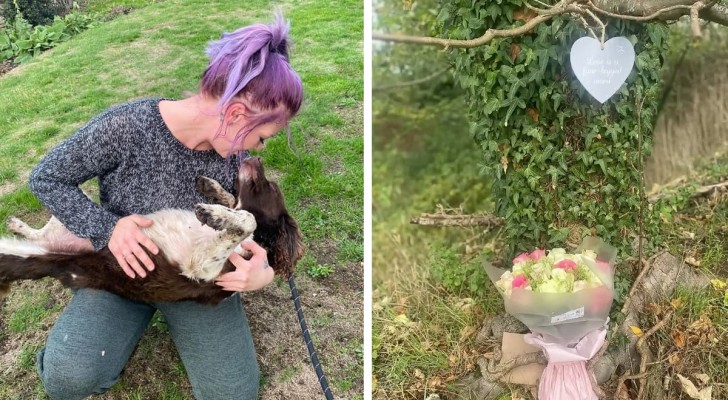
[141,166]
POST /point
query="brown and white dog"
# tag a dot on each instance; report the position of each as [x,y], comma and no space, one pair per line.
[193,246]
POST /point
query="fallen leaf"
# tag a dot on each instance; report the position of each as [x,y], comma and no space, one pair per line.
[622,392]
[687,235]
[636,330]
[718,284]
[515,51]
[466,332]
[692,261]
[451,378]
[703,378]
[690,389]
[402,319]
[653,308]
[419,374]
[678,337]
[676,303]
[504,163]
[434,382]
[453,358]
[673,359]
[533,114]
[704,323]
[524,14]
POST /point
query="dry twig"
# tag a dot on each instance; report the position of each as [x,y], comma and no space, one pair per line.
[410,83]
[456,220]
[699,192]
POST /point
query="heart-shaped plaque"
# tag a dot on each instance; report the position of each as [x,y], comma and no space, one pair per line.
[602,71]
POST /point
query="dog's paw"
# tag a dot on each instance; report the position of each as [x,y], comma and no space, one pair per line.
[239,222]
[213,191]
[17,226]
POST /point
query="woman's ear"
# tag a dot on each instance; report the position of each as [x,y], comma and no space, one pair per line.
[238,112]
[234,113]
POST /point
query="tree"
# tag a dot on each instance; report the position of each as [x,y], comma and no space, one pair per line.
[563,165]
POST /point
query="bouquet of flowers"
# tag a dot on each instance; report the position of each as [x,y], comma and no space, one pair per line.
[564,299]
[560,295]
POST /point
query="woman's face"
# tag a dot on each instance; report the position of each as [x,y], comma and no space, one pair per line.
[257,137]
[255,140]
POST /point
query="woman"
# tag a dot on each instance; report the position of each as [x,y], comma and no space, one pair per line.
[147,155]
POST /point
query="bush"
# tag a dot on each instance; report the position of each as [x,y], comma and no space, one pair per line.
[563,165]
[36,12]
[21,41]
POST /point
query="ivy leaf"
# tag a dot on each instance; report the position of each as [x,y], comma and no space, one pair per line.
[494,11]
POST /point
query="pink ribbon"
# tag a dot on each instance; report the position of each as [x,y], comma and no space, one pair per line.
[565,376]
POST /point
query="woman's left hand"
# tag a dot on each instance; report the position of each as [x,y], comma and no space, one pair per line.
[250,274]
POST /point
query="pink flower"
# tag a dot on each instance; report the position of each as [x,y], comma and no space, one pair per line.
[566,265]
[521,258]
[600,300]
[537,254]
[603,265]
[519,281]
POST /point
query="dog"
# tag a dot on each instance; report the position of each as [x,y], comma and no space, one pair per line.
[193,245]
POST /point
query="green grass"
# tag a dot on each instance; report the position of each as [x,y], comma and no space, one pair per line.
[158,50]
[31,314]
[425,310]
[698,228]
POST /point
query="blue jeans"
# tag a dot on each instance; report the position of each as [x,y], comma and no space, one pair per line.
[94,337]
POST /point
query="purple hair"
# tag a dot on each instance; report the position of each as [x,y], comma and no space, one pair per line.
[252,62]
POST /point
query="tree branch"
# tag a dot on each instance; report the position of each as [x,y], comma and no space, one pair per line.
[560,8]
[410,83]
[634,10]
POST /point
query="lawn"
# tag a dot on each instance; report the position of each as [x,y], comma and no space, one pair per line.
[157,50]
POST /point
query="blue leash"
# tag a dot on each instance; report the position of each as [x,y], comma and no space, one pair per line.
[309,344]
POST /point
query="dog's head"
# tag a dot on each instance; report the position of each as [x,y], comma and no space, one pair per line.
[277,231]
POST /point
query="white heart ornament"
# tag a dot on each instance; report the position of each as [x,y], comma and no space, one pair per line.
[602,71]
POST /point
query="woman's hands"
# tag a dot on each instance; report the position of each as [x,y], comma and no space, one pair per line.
[250,274]
[126,244]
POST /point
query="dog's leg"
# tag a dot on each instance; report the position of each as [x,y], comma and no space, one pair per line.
[19,227]
[236,222]
[212,190]
[208,259]
[54,236]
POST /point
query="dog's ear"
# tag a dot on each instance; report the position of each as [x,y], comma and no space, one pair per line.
[290,246]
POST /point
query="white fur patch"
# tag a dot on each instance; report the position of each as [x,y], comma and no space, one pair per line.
[20,248]
[199,250]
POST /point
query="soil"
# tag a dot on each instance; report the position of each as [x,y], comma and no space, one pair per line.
[6,66]
[333,307]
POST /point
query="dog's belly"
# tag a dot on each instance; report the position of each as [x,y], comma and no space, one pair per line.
[178,233]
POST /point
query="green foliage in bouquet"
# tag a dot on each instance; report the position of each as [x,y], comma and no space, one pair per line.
[563,165]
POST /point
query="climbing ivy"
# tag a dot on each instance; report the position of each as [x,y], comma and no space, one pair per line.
[563,165]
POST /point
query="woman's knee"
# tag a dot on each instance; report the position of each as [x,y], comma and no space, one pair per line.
[235,383]
[67,379]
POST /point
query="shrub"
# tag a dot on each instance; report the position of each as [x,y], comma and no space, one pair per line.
[21,41]
[563,165]
[36,12]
